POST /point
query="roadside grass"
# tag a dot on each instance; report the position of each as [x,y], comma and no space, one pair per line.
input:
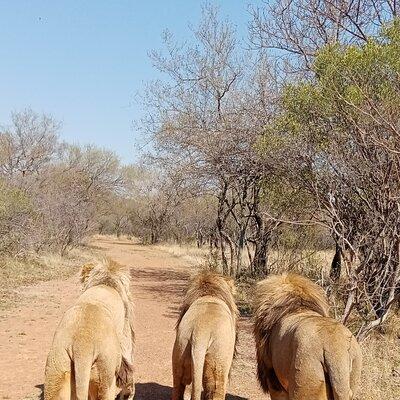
[381,363]
[381,350]
[189,253]
[16,272]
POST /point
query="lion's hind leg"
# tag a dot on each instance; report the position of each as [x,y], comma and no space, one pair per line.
[308,382]
[215,379]
[58,386]
[104,373]
[106,388]
[181,371]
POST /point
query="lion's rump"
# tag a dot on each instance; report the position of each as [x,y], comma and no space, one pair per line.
[96,332]
[205,337]
[208,284]
[292,328]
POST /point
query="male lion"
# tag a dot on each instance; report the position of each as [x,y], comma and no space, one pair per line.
[205,338]
[92,351]
[302,354]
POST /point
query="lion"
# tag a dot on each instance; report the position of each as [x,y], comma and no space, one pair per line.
[92,351]
[205,338]
[302,353]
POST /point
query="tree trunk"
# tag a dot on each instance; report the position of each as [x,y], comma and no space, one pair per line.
[240,248]
[336,266]
[199,239]
[262,238]
[154,237]
[260,259]
[220,229]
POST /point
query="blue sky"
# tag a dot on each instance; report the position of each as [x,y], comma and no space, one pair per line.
[84,61]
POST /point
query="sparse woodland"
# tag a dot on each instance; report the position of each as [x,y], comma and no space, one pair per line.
[265,151]
[294,134]
[52,194]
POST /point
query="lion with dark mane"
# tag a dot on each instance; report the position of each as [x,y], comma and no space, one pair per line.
[92,351]
[205,338]
[302,353]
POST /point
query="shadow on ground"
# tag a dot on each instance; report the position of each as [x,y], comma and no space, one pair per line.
[154,391]
[159,274]
[166,284]
[148,391]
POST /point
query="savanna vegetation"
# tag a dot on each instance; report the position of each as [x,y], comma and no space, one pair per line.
[275,151]
[293,144]
[278,151]
[51,196]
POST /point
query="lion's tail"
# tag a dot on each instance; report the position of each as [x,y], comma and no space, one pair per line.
[198,360]
[82,368]
[262,368]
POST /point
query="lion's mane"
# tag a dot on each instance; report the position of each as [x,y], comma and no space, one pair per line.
[212,284]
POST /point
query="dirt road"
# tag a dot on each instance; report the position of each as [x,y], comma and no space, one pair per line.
[158,280]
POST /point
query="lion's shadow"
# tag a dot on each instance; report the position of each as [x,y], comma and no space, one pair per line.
[154,391]
[149,391]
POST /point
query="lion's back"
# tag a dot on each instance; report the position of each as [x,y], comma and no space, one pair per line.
[81,323]
[207,313]
[208,321]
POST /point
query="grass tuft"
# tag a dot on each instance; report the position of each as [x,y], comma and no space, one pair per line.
[16,272]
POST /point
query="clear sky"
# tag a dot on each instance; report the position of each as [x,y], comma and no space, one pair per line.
[84,61]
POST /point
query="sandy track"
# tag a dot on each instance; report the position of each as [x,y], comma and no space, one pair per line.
[158,282]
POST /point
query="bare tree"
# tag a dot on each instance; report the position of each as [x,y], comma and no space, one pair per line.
[28,144]
[296,29]
[153,201]
[206,119]
[55,193]
[340,138]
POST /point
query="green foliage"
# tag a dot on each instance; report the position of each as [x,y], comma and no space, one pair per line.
[353,77]
[337,137]
[353,98]
[12,201]
[16,211]
[352,84]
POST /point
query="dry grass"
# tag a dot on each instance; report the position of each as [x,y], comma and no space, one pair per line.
[381,365]
[314,264]
[15,272]
[381,352]
[311,263]
[189,253]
